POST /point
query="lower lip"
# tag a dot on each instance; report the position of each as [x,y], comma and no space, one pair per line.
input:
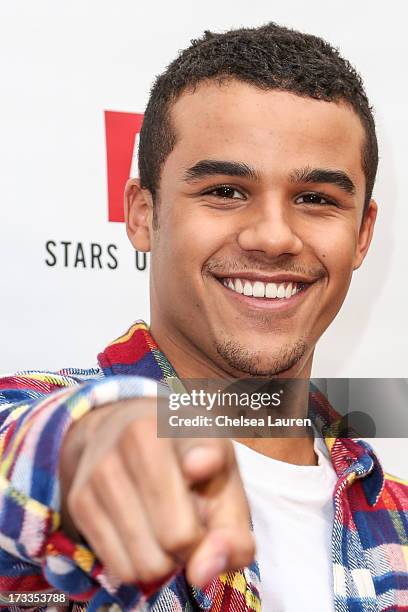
[272,304]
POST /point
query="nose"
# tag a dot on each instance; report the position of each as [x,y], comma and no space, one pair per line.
[270,228]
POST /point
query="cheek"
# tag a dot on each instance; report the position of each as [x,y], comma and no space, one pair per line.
[336,252]
[195,236]
[334,244]
[185,240]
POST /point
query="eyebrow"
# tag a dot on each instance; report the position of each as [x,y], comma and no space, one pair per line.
[324,175]
[213,167]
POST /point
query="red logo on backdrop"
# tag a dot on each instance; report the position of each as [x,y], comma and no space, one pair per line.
[122,141]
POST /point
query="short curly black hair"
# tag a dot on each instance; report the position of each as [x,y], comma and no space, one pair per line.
[268,57]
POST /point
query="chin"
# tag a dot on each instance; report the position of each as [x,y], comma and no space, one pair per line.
[287,360]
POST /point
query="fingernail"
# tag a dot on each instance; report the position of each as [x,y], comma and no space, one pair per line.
[210,568]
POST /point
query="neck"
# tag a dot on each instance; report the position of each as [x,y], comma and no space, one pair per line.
[190,363]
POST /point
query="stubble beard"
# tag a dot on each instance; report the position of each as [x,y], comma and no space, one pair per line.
[254,363]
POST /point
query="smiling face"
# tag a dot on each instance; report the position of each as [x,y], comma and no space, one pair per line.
[259,229]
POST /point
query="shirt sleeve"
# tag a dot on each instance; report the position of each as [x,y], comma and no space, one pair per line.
[36,409]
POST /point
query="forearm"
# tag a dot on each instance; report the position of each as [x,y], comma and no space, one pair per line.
[33,435]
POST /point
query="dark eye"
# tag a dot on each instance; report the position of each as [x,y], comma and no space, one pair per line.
[227,192]
[314,198]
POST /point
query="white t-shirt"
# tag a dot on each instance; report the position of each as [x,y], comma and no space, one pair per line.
[292,514]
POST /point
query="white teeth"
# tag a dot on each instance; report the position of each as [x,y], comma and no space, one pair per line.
[239,288]
[247,288]
[271,290]
[281,291]
[258,289]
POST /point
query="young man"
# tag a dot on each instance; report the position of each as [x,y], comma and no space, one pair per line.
[258,157]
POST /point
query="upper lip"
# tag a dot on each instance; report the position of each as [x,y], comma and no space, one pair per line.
[268,278]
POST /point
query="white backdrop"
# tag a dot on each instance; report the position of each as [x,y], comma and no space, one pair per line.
[62,64]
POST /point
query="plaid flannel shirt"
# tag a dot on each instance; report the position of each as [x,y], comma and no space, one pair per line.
[370,530]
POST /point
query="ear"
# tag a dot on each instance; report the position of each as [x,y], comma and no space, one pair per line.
[138,215]
[365,234]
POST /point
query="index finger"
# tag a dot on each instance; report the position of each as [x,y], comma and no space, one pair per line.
[229,542]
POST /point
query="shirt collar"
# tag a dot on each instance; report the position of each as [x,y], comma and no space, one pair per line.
[136,353]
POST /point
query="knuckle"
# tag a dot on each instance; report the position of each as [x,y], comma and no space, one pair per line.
[131,432]
[124,571]
[144,425]
[105,470]
[155,569]
[178,540]
[112,556]
[140,447]
[139,432]
[79,504]
[124,574]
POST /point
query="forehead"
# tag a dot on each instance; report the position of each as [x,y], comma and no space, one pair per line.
[272,130]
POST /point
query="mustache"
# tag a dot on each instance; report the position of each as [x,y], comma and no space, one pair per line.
[225,266]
